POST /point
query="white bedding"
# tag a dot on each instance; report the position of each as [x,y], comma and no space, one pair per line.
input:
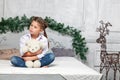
[69,67]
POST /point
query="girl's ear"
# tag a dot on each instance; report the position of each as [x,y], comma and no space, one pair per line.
[41,30]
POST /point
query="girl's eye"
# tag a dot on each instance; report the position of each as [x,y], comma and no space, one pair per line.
[35,27]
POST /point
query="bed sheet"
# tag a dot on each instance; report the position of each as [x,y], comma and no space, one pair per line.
[69,67]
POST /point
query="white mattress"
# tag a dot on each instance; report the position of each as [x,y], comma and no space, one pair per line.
[69,67]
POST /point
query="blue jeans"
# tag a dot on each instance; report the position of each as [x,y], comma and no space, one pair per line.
[46,60]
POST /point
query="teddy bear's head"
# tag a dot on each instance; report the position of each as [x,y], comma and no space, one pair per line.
[32,46]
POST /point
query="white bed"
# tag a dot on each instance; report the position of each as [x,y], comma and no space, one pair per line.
[69,67]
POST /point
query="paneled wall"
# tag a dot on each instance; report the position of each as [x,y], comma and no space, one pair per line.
[1,8]
[81,14]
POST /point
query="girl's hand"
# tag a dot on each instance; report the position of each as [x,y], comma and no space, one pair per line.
[26,58]
[38,52]
[30,58]
[27,54]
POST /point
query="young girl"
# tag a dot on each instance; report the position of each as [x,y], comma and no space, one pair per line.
[36,29]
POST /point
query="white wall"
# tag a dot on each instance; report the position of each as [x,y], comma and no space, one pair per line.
[1,8]
[69,12]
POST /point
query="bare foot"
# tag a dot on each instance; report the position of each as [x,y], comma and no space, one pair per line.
[44,67]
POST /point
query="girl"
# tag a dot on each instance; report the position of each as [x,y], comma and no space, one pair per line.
[36,29]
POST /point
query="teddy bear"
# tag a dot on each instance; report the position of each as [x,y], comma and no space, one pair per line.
[32,46]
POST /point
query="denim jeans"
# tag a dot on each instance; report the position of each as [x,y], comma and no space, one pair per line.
[46,60]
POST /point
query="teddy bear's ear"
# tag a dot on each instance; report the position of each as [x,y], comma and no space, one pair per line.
[26,44]
[25,49]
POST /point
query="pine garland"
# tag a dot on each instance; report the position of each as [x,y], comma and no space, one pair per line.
[17,25]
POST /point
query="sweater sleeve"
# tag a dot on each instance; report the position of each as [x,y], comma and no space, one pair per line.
[45,43]
[22,44]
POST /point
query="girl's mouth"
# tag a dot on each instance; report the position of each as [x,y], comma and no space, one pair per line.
[31,31]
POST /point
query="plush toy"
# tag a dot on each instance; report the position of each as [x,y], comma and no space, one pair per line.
[33,64]
[32,46]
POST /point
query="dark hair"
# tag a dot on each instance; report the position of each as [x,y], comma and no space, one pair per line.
[42,23]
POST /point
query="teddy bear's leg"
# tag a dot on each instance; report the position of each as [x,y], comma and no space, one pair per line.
[29,64]
[36,64]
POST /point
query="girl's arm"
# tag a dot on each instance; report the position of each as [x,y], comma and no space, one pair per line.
[29,54]
[30,58]
[45,49]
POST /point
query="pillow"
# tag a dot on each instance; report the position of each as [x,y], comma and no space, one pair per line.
[6,54]
[59,52]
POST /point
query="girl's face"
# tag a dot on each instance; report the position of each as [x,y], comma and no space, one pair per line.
[35,28]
